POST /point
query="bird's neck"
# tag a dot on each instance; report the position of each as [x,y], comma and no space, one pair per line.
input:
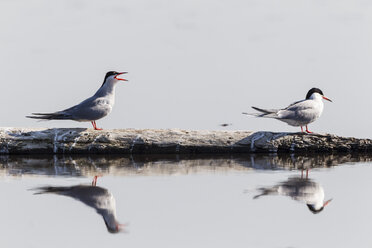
[316,97]
[318,102]
[318,204]
[107,89]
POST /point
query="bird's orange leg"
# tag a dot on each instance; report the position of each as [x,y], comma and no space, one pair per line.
[307,130]
[95,126]
[95,178]
[94,182]
[302,130]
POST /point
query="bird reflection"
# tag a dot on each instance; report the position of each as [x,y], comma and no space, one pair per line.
[94,196]
[301,189]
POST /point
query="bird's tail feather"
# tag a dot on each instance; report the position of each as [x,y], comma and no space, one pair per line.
[50,189]
[268,113]
[50,116]
[266,191]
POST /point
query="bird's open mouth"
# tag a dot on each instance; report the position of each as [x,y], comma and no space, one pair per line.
[120,73]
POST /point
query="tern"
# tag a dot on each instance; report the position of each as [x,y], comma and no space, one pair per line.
[93,196]
[94,108]
[299,189]
[299,113]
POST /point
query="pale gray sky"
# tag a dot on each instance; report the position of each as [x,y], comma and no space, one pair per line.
[192,64]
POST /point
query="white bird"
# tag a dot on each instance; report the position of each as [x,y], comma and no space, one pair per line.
[299,113]
[299,189]
[93,196]
[91,109]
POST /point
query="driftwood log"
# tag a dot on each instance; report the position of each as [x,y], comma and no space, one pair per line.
[170,141]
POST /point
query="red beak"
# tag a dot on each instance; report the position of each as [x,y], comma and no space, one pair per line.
[327,202]
[325,98]
[120,227]
[122,79]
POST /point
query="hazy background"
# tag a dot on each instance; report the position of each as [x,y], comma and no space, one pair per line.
[192,64]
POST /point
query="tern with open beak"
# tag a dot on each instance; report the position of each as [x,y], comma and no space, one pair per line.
[91,109]
[93,196]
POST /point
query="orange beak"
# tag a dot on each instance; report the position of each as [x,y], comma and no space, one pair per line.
[120,227]
[325,98]
[120,73]
[327,202]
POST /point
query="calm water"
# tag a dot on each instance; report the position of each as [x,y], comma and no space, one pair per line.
[187,201]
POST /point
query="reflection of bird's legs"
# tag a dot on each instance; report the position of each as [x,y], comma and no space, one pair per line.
[302,173]
[94,182]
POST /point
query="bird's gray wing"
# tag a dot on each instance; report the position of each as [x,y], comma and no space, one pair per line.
[86,104]
[298,187]
[294,104]
[87,194]
[294,111]
[79,111]
[90,109]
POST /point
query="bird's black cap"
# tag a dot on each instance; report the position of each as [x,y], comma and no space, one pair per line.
[313,90]
[314,210]
[109,74]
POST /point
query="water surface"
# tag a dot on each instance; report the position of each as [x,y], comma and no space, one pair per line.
[189,201]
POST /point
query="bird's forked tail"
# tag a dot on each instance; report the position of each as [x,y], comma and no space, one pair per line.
[50,116]
[269,113]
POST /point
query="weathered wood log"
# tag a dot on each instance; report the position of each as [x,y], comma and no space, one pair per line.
[173,141]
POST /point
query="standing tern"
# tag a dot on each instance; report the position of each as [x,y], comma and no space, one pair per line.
[94,108]
[299,113]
